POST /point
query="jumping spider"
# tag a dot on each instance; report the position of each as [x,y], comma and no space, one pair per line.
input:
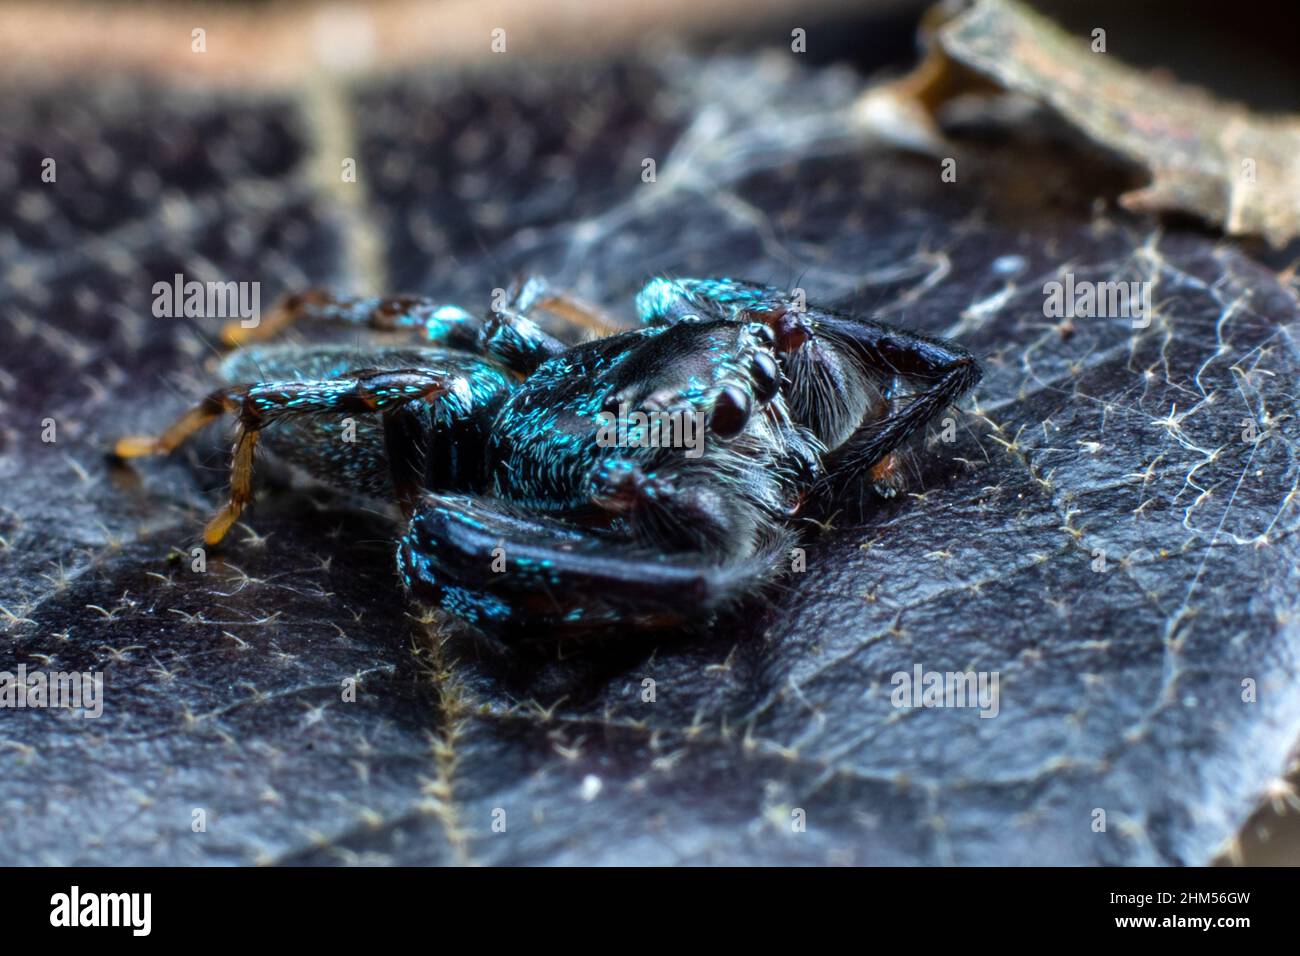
[485,433]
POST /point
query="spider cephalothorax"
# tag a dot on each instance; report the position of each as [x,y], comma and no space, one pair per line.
[648,476]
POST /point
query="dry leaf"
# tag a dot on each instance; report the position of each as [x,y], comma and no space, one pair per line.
[1215,159]
[1120,690]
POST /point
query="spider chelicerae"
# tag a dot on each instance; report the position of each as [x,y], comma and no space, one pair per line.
[492,436]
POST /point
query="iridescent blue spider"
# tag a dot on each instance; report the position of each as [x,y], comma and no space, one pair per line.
[485,431]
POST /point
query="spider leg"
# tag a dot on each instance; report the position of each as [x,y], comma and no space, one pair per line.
[513,335]
[534,292]
[507,335]
[664,301]
[941,371]
[507,571]
[435,323]
[579,313]
[258,405]
[517,341]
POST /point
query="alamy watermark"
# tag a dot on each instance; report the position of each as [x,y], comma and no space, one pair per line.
[222,300]
[75,690]
[922,688]
[1085,299]
[653,429]
[75,908]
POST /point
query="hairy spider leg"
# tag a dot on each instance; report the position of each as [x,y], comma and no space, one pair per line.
[502,571]
[435,323]
[513,335]
[533,292]
[942,370]
[664,301]
[508,334]
[579,313]
[362,391]
[517,342]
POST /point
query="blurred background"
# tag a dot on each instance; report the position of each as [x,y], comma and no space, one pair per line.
[1248,54]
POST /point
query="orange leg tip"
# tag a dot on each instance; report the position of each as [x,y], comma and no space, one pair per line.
[235,334]
[887,475]
[137,446]
[219,525]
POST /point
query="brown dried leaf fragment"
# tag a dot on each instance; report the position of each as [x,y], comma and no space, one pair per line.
[1208,157]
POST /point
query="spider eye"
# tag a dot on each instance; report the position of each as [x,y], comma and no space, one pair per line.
[762,332]
[730,412]
[766,376]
